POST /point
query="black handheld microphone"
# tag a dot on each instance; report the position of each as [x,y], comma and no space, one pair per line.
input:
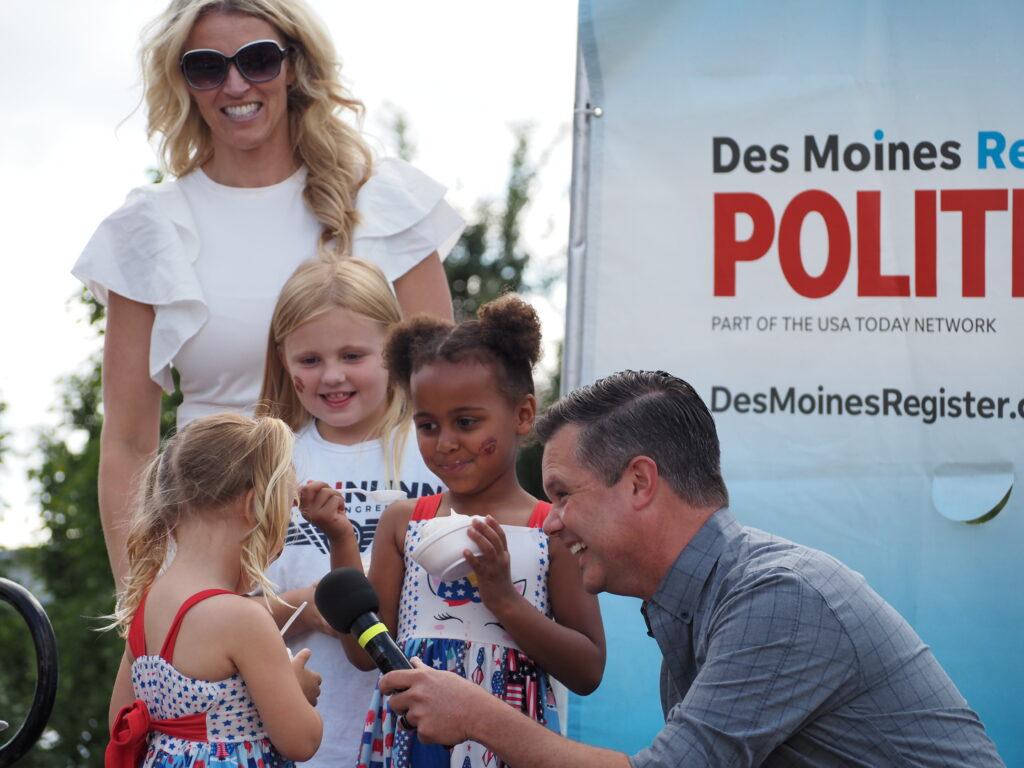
[346,600]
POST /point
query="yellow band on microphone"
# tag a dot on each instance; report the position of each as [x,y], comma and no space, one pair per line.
[371,633]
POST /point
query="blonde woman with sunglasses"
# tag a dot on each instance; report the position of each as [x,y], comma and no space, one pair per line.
[245,99]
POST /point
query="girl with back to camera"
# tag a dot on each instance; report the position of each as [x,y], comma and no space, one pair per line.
[471,387]
[205,679]
[325,378]
[246,100]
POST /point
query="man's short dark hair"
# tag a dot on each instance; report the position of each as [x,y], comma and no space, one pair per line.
[644,413]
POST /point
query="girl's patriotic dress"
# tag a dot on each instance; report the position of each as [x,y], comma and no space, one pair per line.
[180,722]
[448,627]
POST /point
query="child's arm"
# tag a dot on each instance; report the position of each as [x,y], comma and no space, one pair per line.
[387,570]
[275,682]
[571,648]
[325,507]
[123,693]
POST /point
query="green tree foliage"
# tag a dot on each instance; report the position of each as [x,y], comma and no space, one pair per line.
[4,434]
[489,259]
[17,678]
[4,438]
[74,570]
[528,462]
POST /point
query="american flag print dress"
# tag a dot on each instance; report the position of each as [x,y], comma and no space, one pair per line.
[448,627]
[228,730]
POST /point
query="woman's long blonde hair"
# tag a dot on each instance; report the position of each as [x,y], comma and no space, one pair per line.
[209,464]
[337,159]
[315,288]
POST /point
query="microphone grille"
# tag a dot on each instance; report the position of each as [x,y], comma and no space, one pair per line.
[343,595]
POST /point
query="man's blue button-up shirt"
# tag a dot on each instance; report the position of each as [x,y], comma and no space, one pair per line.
[779,655]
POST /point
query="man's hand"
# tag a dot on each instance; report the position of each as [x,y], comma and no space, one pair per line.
[324,506]
[445,708]
[437,704]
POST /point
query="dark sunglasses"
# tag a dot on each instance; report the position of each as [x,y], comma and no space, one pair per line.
[258,62]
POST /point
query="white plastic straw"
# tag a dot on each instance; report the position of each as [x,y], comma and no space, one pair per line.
[294,616]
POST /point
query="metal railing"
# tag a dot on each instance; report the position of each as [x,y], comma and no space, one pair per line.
[45,643]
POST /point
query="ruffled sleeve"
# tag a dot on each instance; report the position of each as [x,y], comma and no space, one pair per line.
[404,218]
[145,251]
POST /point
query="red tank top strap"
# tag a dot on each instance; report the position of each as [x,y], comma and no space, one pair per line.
[137,631]
[167,651]
[426,507]
[540,514]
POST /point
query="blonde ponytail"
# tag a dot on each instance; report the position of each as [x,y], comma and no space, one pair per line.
[209,464]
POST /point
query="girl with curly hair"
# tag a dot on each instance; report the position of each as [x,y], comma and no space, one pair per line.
[520,614]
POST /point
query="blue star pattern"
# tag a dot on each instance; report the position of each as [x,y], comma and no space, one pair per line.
[235,734]
[458,591]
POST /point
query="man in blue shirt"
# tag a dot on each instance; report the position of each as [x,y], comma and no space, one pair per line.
[774,654]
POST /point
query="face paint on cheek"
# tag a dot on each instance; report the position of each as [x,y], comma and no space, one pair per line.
[490,446]
[300,387]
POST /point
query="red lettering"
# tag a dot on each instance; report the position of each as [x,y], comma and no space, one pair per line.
[1017,289]
[729,250]
[870,280]
[838,261]
[924,242]
[973,205]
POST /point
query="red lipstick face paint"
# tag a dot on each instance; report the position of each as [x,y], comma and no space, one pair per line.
[490,446]
[299,386]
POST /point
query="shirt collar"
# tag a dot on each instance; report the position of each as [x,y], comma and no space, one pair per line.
[680,591]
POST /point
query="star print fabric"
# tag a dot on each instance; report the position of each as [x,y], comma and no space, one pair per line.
[235,737]
[448,627]
[507,673]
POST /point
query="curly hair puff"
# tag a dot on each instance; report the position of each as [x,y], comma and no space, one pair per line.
[506,335]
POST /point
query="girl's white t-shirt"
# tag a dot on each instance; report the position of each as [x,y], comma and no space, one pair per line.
[212,259]
[345,692]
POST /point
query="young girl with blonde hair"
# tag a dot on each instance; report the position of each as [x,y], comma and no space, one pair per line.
[325,378]
[205,678]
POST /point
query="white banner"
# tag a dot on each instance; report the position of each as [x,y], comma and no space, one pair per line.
[815,214]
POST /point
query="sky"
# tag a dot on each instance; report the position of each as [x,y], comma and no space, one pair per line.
[72,144]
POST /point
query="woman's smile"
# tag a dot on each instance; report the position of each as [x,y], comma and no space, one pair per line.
[242,112]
